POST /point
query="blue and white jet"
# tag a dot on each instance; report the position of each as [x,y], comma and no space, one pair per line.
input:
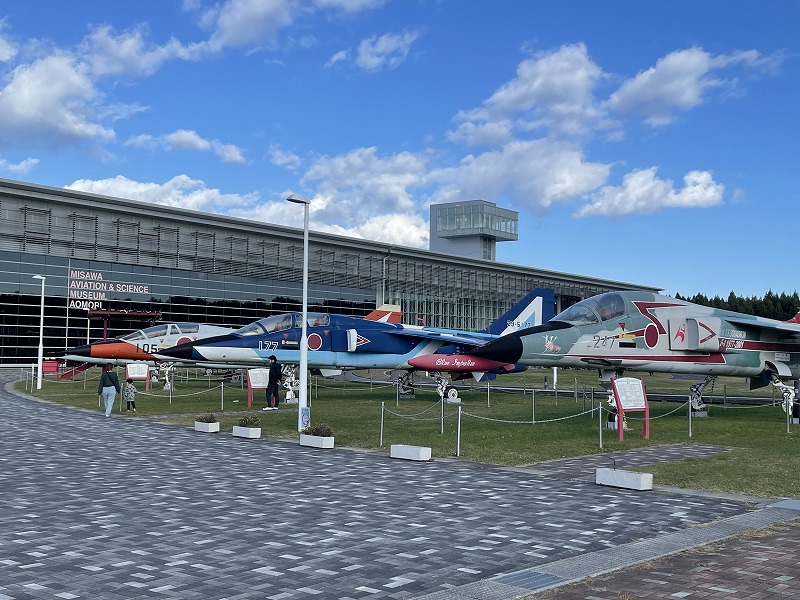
[337,342]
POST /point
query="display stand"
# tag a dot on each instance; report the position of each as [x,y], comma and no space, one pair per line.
[257,379]
[629,396]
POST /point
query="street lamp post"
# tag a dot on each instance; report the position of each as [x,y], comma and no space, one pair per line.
[303,396]
[40,356]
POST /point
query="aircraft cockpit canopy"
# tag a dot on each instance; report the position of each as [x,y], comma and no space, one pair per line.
[593,310]
[161,330]
[267,325]
[313,320]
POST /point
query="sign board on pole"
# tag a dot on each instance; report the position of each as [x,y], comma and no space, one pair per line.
[630,396]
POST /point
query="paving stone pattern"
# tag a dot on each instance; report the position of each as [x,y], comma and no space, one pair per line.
[125,507]
[757,567]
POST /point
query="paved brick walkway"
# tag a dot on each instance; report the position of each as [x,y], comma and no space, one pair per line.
[760,565]
[94,507]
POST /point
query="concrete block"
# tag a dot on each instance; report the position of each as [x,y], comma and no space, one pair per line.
[624,479]
[410,452]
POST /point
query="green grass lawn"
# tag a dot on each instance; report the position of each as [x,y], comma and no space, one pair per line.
[496,427]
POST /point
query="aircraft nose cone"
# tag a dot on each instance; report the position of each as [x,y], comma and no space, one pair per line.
[84,351]
[507,349]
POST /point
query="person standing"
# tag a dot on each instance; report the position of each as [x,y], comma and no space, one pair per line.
[129,395]
[273,383]
[108,387]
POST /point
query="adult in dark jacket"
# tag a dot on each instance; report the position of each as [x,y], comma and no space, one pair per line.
[273,383]
[108,387]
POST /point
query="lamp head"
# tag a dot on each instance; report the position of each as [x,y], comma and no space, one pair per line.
[297,199]
[42,277]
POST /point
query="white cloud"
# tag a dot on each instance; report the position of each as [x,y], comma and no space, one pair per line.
[180,192]
[188,140]
[19,168]
[50,103]
[400,229]
[680,81]
[127,53]
[283,158]
[8,49]
[642,192]
[361,183]
[385,52]
[340,56]
[228,153]
[183,139]
[533,174]
[677,81]
[238,23]
[350,6]
[553,91]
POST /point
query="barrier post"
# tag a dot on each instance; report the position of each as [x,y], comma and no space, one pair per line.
[458,434]
[487,395]
[533,406]
[380,444]
[441,416]
[600,423]
[222,394]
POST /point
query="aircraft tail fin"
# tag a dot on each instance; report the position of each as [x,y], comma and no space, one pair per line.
[386,313]
[795,319]
[537,307]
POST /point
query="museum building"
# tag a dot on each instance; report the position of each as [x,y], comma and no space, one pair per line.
[112,265]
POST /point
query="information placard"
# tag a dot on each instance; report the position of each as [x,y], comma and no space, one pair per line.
[631,392]
[630,396]
[257,379]
[137,371]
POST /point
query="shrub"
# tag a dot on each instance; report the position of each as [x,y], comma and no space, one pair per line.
[250,420]
[206,418]
[322,430]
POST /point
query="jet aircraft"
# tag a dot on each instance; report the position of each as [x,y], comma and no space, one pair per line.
[142,344]
[642,331]
[338,342]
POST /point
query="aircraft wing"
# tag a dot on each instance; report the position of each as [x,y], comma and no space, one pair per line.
[789,328]
[445,337]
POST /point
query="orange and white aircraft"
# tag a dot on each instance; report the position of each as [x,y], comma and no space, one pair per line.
[144,345]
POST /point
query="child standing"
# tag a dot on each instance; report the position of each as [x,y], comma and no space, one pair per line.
[129,395]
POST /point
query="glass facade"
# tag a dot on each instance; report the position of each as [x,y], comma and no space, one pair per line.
[114,265]
[477,217]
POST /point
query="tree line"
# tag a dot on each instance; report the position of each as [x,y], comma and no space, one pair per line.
[772,306]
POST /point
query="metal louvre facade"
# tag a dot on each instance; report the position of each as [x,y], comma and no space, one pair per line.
[114,265]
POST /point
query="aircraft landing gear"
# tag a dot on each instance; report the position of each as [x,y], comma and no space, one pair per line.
[786,390]
[404,385]
[289,381]
[447,393]
[696,394]
[168,372]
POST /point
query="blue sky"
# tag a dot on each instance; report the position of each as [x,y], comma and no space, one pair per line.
[654,143]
